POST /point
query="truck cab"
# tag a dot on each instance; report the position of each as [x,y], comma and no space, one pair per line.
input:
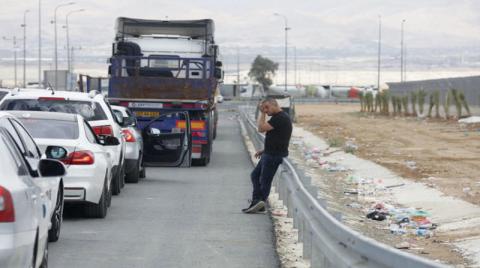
[161,67]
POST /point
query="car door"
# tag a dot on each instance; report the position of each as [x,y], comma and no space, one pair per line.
[49,185]
[167,140]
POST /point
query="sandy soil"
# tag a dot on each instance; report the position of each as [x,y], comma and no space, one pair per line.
[445,155]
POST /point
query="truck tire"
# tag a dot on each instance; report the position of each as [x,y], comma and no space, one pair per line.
[201,162]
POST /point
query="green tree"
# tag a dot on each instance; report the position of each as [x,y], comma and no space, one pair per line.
[262,71]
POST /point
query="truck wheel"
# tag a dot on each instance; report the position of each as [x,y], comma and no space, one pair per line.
[201,162]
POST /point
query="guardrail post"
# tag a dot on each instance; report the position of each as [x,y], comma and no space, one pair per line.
[307,240]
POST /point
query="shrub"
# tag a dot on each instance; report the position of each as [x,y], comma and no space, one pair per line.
[447,102]
[335,142]
[458,102]
[421,100]
[414,98]
[405,104]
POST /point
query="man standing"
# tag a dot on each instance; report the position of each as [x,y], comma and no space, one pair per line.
[278,132]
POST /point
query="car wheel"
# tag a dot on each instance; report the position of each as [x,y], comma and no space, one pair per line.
[98,210]
[134,175]
[116,183]
[44,263]
[57,218]
[122,176]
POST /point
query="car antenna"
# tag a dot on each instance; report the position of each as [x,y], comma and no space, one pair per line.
[51,88]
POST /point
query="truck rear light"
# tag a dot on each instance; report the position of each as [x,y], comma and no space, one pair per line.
[199,134]
[129,137]
[103,130]
[7,211]
[197,149]
[79,158]
[195,124]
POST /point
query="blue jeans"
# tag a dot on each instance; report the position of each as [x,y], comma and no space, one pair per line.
[263,174]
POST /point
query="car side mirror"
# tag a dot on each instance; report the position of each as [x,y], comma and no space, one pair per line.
[55,152]
[154,132]
[109,141]
[51,168]
[218,64]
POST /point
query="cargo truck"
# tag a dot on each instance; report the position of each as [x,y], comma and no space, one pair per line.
[168,72]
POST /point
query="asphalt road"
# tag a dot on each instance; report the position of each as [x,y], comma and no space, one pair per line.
[177,217]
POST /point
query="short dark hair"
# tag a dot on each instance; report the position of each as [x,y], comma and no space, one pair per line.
[270,100]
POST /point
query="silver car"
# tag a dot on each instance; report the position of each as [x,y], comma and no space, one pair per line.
[25,207]
[134,144]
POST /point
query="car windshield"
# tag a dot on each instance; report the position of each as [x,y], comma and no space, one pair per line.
[51,129]
[90,110]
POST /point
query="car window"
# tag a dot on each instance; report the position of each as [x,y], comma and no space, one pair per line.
[51,129]
[11,150]
[89,133]
[30,146]
[9,127]
[2,94]
[90,110]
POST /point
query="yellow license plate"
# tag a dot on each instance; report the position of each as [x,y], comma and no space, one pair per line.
[147,114]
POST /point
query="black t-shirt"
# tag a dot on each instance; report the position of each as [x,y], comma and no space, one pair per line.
[277,139]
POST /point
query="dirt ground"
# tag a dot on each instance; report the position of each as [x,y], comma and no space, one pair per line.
[443,154]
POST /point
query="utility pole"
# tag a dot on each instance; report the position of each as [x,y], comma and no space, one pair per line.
[237,90]
[55,30]
[68,36]
[24,26]
[39,44]
[286,47]
[379,50]
[295,63]
[14,39]
[402,75]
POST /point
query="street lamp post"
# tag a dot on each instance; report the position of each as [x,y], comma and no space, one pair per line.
[24,26]
[402,59]
[69,66]
[14,39]
[39,46]
[401,53]
[379,50]
[55,28]
[286,46]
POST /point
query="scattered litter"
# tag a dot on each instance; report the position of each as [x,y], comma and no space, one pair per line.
[411,164]
[350,147]
[354,205]
[395,186]
[470,120]
[377,216]
[403,245]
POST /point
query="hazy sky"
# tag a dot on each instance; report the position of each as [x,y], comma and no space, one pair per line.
[315,23]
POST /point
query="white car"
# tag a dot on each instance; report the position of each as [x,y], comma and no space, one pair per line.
[70,139]
[24,205]
[52,187]
[92,106]
[134,149]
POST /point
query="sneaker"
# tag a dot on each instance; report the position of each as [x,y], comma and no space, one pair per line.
[254,207]
[263,210]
